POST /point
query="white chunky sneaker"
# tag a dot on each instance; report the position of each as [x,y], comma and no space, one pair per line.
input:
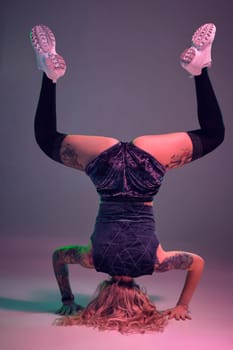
[198,56]
[44,44]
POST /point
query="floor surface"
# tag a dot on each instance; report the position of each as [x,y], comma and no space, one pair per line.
[29,297]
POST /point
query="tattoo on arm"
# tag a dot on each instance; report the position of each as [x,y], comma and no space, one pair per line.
[179,159]
[181,261]
[69,255]
[69,157]
[62,276]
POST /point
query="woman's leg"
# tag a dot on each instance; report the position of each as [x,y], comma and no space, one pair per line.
[176,149]
[81,255]
[212,131]
[46,134]
[75,151]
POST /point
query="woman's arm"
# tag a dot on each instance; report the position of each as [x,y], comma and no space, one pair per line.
[193,276]
[194,264]
[181,310]
[61,257]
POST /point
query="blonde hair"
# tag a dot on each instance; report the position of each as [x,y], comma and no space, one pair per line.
[119,305]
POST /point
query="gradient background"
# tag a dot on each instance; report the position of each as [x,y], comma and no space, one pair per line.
[123,80]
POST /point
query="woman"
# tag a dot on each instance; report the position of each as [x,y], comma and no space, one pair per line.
[127,175]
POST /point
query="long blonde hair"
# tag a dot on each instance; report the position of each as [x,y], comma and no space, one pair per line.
[119,305]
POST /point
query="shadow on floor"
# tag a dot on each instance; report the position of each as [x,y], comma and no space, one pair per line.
[48,301]
[40,303]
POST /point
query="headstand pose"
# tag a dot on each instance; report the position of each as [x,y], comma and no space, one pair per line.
[127,175]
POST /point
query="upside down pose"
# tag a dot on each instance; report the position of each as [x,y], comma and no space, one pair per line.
[127,176]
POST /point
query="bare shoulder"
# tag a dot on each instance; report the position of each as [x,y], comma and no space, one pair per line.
[78,150]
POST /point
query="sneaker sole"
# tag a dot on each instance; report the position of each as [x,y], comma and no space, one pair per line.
[188,55]
[204,36]
[44,43]
[202,39]
[43,40]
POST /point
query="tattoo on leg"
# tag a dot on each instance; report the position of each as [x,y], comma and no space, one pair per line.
[178,261]
[185,156]
[69,157]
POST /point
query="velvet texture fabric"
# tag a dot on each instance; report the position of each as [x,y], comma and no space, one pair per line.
[125,172]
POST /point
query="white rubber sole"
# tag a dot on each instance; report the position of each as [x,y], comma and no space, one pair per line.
[198,56]
[44,44]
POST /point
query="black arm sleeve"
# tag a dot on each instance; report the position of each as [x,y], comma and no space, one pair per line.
[47,137]
[212,131]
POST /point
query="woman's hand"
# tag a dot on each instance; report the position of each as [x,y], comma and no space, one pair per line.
[70,309]
[179,312]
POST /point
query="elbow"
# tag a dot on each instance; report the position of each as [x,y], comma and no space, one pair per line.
[201,262]
[198,263]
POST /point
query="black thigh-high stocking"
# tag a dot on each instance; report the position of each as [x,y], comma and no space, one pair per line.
[211,132]
[45,125]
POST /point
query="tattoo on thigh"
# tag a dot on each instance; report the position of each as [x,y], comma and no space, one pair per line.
[69,157]
[179,159]
[178,261]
